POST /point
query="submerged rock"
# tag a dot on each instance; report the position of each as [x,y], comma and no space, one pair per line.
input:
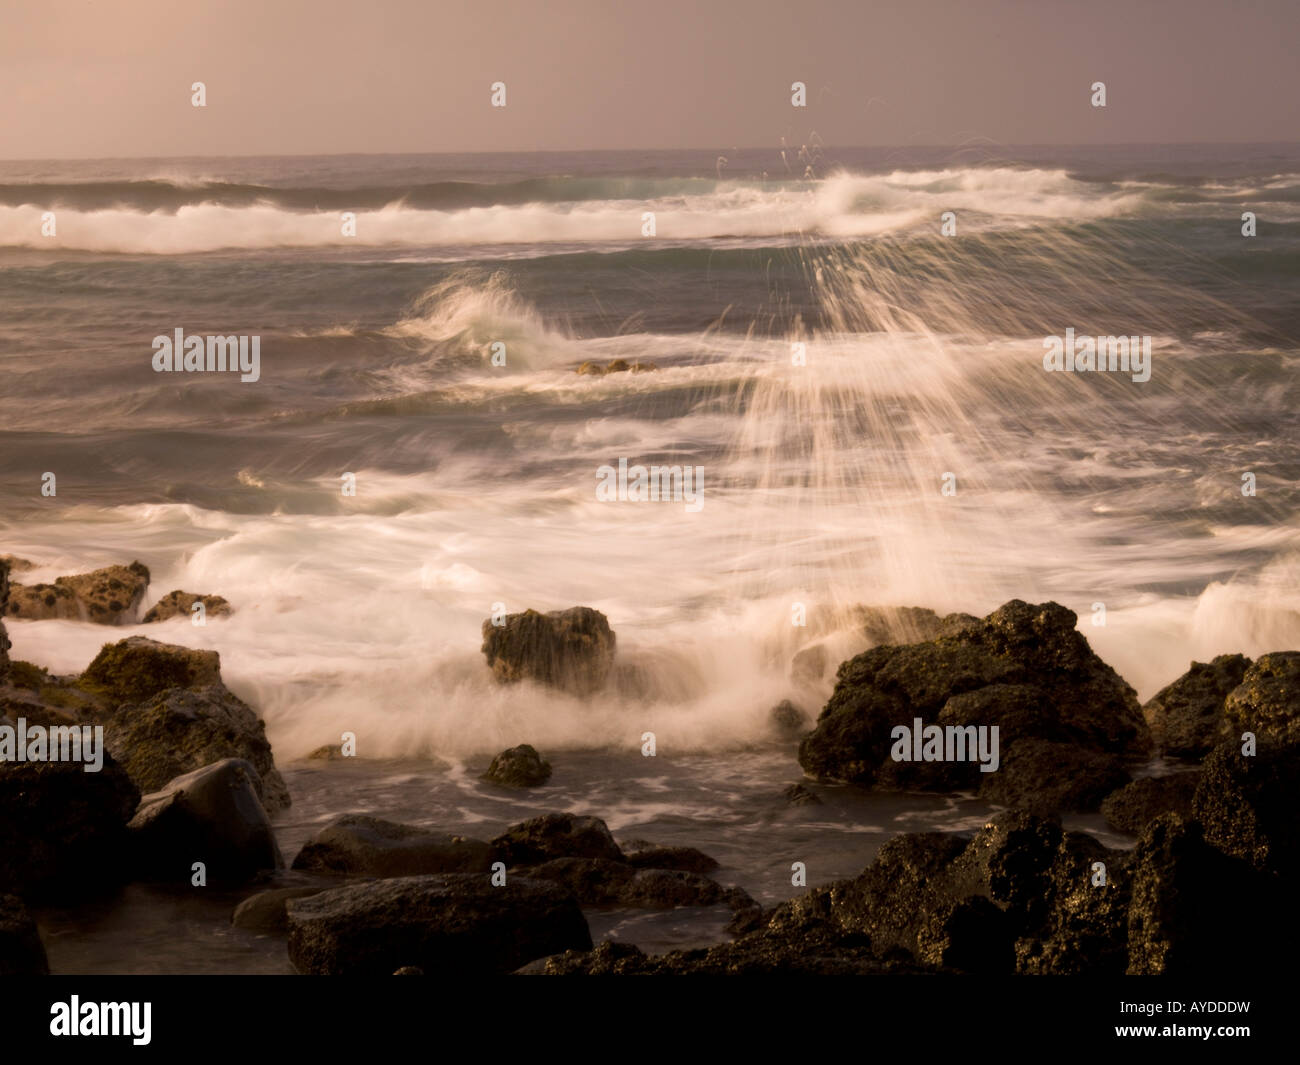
[556,836]
[108,596]
[645,855]
[21,951]
[519,767]
[788,721]
[357,845]
[1186,717]
[572,650]
[211,815]
[180,603]
[453,924]
[799,795]
[267,912]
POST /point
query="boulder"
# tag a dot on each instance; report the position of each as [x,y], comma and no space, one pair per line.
[556,836]
[21,951]
[1045,778]
[643,855]
[451,925]
[519,767]
[357,845]
[63,830]
[598,882]
[211,815]
[180,603]
[1246,804]
[1267,702]
[1186,717]
[108,596]
[788,721]
[1024,668]
[572,650]
[1131,808]
[139,668]
[267,912]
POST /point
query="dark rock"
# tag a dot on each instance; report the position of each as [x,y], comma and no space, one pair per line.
[1024,666]
[408,970]
[519,767]
[906,624]
[1186,717]
[799,795]
[1267,702]
[267,912]
[644,855]
[1045,777]
[788,721]
[63,830]
[4,606]
[1131,808]
[664,889]
[1247,805]
[452,924]
[138,668]
[108,596]
[182,603]
[211,815]
[357,845]
[556,836]
[572,649]
[21,951]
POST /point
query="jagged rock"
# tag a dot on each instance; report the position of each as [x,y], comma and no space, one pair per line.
[211,815]
[519,767]
[451,924]
[788,721]
[357,845]
[591,368]
[267,912]
[137,668]
[1186,717]
[556,836]
[1247,805]
[1045,777]
[1131,808]
[799,795]
[1267,702]
[63,830]
[108,596]
[331,752]
[182,603]
[21,951]
[572,650]
[1024,668]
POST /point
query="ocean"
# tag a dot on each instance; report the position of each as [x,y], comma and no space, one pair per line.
[848,344]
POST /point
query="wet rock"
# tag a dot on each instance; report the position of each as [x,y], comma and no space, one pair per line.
[138,668]
[788,721]
[1186,717]
[591,368]
[453,924]
[63,830]
[1267,702]
[799,795]
[644,855]
[906,624]
[331,752]
[618,366]
[1045,777]
[664,889]
[809,665]
[1024,665]
[644,367]
[211,815]
[519,767]
[1247,805]
[21,951]
[108,596]
[1131,808]
[267,912]
[572,650]
[15,564]
[180,603]
[556,836]
[357,845]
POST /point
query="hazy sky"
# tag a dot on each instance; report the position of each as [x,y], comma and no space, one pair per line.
[85,78]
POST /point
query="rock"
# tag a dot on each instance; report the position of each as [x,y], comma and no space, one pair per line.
[108,596]
[21,951]
[799,795]
[408,970]
[906,624]
[788,721]
[138,668]
[642,855]
[1131,808]
[572,649]
[1045,777]
[63,830]
[331,752]
[644,367]
[171,714]
[592,368]
[556,836]
[618,366]
[809,665]
[211,815]
[15,565]
[1186,717]
[357,845]
[182,603]
[519,767]
[1267,702]
[267,912]
[1199,912]
[664,889]
[1024,668]
[1247,805]
[451,924]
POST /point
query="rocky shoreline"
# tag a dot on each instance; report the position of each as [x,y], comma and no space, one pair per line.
[188,790]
